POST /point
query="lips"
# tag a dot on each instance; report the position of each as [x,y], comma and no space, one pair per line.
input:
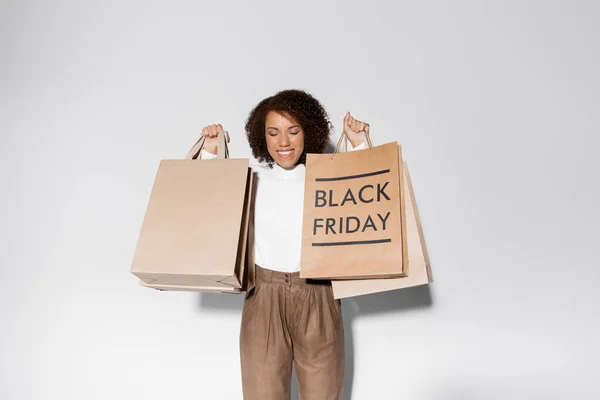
[285,153]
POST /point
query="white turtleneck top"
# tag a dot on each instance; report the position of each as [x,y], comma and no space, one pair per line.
[278,214]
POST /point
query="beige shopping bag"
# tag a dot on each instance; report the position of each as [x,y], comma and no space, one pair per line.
[195,233]
[206,286]
[353,215]
[419,271]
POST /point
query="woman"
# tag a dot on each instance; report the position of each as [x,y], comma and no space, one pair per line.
[286,319]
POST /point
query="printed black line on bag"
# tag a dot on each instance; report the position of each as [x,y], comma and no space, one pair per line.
[351,243]
[343,178]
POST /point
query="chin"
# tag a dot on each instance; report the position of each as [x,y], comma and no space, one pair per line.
[287,164]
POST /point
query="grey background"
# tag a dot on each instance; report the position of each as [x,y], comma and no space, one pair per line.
[495,103]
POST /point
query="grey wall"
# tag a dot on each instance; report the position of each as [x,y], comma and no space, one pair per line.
[495,103]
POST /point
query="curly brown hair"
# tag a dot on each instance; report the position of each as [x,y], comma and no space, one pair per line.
[304,109]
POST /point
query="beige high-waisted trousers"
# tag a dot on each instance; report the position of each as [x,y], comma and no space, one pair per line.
[287,319]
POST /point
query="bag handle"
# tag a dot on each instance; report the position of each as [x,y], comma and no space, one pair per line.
[222,150]
[344,135]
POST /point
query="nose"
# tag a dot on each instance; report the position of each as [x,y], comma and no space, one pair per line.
[284,140]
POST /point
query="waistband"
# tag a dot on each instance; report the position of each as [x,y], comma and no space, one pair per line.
[285,278]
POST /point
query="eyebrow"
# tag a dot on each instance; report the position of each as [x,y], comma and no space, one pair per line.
[293,126]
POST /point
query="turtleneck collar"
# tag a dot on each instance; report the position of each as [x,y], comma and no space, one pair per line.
[298,172]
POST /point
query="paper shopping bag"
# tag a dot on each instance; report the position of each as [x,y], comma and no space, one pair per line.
[419,271]
[195,232]
[353,215]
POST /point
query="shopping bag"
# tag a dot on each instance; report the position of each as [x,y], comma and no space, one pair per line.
[353,215]
[195,232]
[419,270]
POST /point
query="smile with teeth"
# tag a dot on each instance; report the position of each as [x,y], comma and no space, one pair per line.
[284,153]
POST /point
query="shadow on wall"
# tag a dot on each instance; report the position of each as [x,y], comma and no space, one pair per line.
[386,303]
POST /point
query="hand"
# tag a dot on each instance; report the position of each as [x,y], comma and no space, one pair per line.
[211,133]
[353,128]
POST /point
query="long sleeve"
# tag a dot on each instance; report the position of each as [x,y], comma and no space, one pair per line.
[205,155]
[361,146]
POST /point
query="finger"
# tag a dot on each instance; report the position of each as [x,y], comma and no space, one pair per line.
[361,127]
[367,127]
[219,128]
[354,125]
[346,119]
[213,130]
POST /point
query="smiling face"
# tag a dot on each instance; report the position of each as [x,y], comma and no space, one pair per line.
[285,139]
